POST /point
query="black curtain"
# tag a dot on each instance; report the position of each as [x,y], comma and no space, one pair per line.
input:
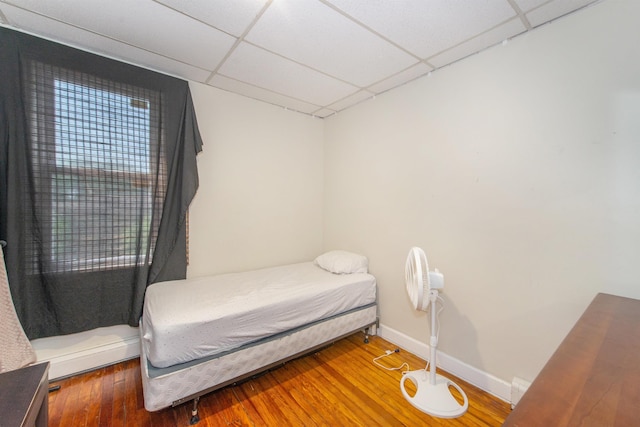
[97,168]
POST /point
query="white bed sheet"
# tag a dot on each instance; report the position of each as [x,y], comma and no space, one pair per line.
[189,319]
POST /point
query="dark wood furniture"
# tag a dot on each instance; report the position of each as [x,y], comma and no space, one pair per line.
[24,396]
[593,378]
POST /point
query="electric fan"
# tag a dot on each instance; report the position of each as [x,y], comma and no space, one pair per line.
[432,395]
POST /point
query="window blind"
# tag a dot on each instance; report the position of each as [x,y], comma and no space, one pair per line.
[95,151]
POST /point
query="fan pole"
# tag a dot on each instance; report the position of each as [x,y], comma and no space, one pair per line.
[433,341]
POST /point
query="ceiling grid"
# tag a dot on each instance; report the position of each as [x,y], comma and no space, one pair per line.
[316,57]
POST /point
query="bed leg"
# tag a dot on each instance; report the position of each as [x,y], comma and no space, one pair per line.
[366,335]
[194,412]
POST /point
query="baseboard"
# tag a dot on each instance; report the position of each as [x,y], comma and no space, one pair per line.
[483,380]
[74,354]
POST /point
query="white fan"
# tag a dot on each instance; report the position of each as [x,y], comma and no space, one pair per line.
[432,395]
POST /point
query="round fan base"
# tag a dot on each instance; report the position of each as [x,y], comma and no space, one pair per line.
[434,399]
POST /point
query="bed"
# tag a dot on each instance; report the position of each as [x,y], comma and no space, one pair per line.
[201,334]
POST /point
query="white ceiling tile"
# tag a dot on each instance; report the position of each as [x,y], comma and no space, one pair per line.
[490,38]
[104,46]
[258,67]
[400,78]
[428,27]
[554,10]
[232,17]
[312,56]
[314,34]
[254,92]
[141,23]
[351,100]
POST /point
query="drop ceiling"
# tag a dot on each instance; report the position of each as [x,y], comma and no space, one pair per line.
[313,56]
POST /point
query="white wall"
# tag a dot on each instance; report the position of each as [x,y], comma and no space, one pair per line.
[517,170]
[261,185]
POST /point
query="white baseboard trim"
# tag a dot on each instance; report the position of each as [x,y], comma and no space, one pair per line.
[87,360]
[483,380]
[74,354]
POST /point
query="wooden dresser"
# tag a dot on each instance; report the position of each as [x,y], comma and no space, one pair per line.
[593,378]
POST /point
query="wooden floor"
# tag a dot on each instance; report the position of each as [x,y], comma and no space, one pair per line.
[336,386]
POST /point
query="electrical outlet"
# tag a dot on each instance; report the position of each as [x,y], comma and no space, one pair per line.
[518,387]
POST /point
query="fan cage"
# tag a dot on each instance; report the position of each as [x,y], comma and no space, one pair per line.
[417,279]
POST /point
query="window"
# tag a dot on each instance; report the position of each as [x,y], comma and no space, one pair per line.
[95,147]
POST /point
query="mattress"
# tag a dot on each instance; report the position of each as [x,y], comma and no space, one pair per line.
[191,319]
[173,385]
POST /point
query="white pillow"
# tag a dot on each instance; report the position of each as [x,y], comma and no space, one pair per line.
[342,262]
